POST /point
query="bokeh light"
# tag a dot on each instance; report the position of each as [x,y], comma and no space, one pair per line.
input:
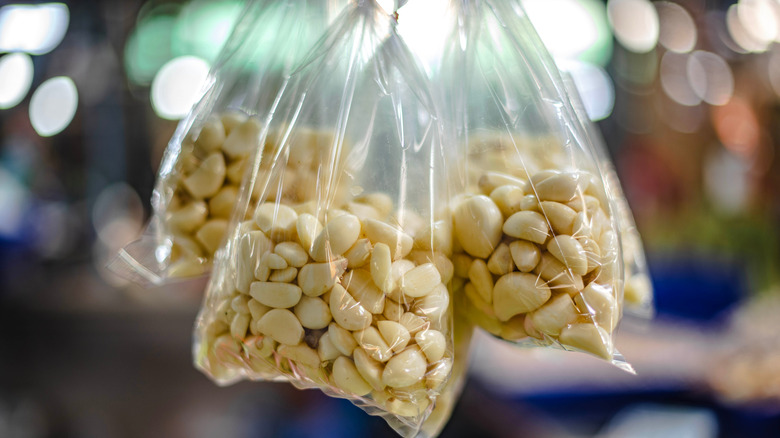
[595,87]
[53,106]
[587,34]
[178,85]
[726,180]
[35,29]
[675,79]
[202,27]
[710,77]
[117,215]
[737,126]
[758,19]
[635,23]
[677,31]
[740,34]
[16,75]
[149,46]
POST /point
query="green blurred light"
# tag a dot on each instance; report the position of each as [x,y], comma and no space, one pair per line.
[203,26]
[149,47]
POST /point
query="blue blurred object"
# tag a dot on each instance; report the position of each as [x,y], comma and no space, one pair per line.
[696,286]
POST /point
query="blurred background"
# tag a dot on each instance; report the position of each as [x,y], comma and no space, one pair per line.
[686,94]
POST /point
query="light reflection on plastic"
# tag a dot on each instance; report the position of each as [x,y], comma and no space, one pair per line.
[635,23]
[424,36]
[16,75]
[710,77]
[739,34]
[35,29]
[177,86]
[675,79]
[53,106]
[550,16]
[758,19]
[594,86]
[677,30]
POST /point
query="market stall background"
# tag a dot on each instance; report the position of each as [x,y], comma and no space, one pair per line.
[686,95]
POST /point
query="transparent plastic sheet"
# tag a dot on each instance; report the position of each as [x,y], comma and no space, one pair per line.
[205,162]
[537,251]
[638,292]
[463,331]
[336,278]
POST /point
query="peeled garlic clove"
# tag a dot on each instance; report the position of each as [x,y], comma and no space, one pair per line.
[369,369]
[371,340]
[420,280]
[211,233]
[405,368]
[432,343]
[189,217]
[598,301]
[477,223]
[501,262]
[381,261]
[525,254]
[348,379]
[243,139]
[207,179]
[560,217]
[589,338]
[517,293]
[347,312]
[399,243]
[395,334]
[336,237]
[211,136]
[554,315]
[569,252]
[482,280]
[558,186]
[282,326]
[528,225]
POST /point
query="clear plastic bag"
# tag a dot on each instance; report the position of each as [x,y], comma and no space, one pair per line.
[638,291]
[537,252]
[203,167]
[336,278]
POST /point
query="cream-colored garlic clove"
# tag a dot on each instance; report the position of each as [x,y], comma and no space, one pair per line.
[528,225]
[399,243]
[554,315]
[336,238]
[208,178]
[346,311]
[277,295]
[517,293]
[477,223]
[348,379]
[569,252]
[395,334]
[405,368]
[282,326]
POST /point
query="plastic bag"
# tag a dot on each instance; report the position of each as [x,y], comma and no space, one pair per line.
[638,291]
[205,162]
[537,252]
[342,288]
